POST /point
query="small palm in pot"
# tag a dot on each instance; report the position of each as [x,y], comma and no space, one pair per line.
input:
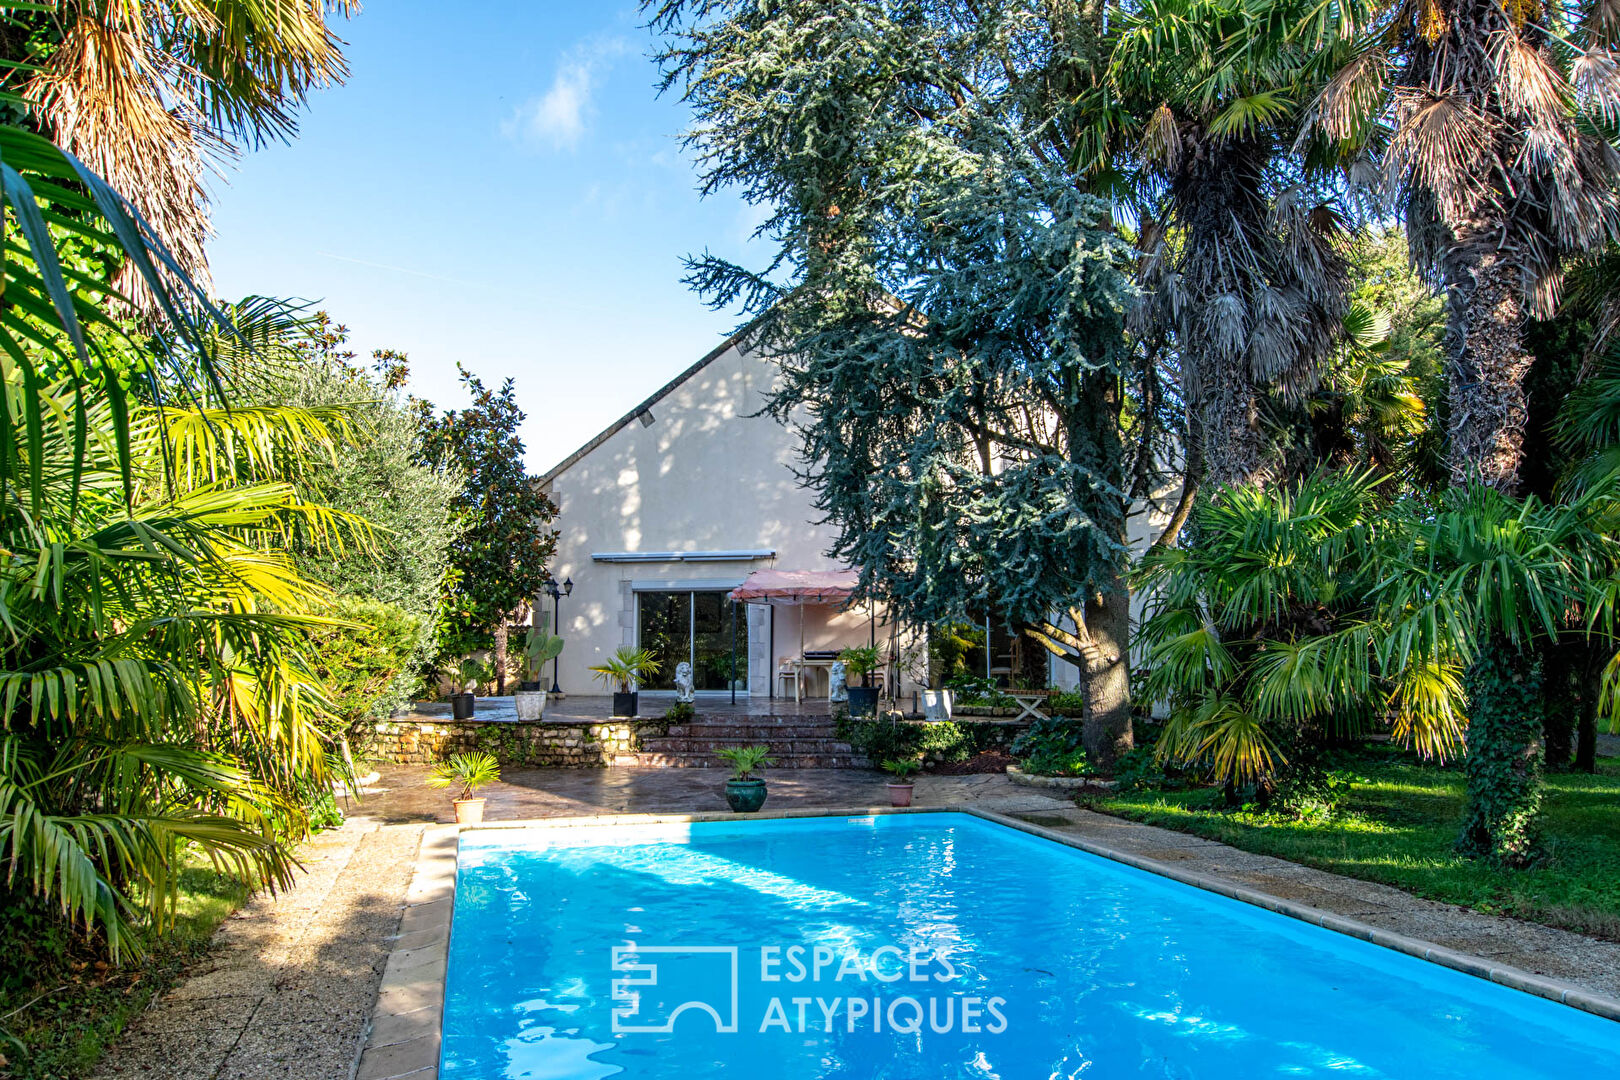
[745,792]
[469,772]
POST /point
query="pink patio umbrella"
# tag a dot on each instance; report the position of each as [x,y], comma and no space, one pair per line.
[797,588]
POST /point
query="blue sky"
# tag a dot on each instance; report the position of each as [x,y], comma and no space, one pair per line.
[502,187]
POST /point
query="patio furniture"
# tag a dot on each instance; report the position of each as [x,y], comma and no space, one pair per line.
[786,669]
[1029,702]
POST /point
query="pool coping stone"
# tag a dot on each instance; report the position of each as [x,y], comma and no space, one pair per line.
[403,1038]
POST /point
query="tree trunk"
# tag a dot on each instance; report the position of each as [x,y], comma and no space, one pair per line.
[1486,366]
[1105,675]
[1562,661]
[1504,754]
[499,656]
[1586,728]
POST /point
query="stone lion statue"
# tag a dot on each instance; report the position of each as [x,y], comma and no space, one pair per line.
[684,690]
[836,689]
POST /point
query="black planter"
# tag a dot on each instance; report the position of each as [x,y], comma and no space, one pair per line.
[745,796]
[863,700]
[530,685]
[624,704]
[461,706]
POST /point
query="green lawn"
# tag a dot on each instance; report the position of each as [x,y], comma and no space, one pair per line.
[1398,825]
[61,1010]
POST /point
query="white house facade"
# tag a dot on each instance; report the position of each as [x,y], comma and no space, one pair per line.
[671,507]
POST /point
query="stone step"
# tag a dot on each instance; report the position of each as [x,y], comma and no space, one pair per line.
[778,746]
[750,731]
[700,759]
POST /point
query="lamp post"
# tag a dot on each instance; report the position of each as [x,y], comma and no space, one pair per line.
[556,595]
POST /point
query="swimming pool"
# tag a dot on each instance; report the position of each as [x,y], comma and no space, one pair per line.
[934,945]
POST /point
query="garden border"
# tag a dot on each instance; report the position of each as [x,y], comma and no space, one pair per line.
[402,1041]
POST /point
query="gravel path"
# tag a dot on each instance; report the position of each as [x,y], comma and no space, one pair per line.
[290,982]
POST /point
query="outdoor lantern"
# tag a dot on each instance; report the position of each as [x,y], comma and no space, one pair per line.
[568,586]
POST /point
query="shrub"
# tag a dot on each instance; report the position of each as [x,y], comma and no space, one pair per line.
[366,668]
[1051,747]
[978,691]
[1139,769]
[682,712]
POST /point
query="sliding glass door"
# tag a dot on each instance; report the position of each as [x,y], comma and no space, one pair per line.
[693,627]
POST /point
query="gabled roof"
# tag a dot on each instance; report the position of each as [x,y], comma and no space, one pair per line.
[646,406]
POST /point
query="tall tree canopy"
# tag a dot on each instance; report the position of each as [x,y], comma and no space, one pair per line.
[1243,255]
[151,94]
[1485,126]
[946,303]
[499,560]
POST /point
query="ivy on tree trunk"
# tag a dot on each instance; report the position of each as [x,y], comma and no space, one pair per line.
[1504,754]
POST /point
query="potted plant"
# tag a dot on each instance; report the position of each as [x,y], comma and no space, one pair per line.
[529,699]
[624,671]
[900,787]
[462,704]
[469,772]
[745,792]
[862,662]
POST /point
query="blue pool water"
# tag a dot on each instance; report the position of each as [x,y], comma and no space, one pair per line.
[996,954]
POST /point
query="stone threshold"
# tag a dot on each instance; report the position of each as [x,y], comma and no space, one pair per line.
[403,1039]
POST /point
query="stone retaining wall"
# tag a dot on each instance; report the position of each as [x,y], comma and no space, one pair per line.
[416,741]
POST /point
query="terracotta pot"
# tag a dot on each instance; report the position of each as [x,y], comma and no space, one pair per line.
[529,704]
[900,794]
[469,811]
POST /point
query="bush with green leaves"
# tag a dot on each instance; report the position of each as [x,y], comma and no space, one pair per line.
[1052,747]
[366,663]
[902,769]
[154,680]
[1271,635]
[378,475]
[626,668]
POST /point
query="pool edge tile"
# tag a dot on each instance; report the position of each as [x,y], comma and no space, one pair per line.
[1556,990]
[411,993]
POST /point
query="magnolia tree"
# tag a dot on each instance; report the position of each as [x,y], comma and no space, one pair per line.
[946,304]
[498,562]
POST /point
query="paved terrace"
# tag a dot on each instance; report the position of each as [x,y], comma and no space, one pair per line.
[594,708]
[289,988]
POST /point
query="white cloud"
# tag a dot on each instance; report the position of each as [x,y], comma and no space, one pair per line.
[559,116]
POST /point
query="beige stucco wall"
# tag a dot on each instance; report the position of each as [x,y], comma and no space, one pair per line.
[704,476]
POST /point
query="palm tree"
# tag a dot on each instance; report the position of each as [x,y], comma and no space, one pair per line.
[152,682]
[1268,637]
[1241,256]
[1489,579]
[1483,123]
[150,95]
[152,674]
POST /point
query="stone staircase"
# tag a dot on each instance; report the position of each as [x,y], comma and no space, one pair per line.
[796,742]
